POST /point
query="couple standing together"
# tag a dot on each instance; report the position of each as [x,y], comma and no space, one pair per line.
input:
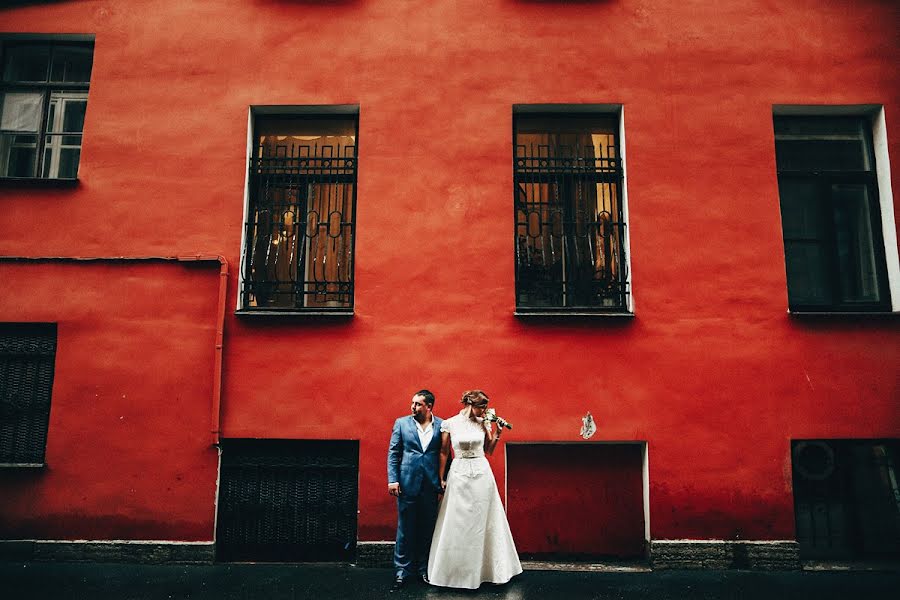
[467,541]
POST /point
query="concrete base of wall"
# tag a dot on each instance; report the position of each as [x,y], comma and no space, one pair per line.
[113,551]
[664,554]
[375,554]
[782,555]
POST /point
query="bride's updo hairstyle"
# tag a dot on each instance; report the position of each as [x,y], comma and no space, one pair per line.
[474,398]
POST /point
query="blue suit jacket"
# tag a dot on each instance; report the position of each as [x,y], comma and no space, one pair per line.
[414,467]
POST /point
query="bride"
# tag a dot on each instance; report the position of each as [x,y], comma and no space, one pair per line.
[472,543]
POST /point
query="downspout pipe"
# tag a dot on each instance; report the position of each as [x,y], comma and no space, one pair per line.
[216,404]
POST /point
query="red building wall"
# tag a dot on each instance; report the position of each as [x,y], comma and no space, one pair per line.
[128,446]
[712,372]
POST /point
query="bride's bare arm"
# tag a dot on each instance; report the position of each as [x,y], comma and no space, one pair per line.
[491,437]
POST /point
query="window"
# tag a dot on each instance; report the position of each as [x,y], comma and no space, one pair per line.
[300,227]
[569,217]
[831,214]
[43,99]
[27,354]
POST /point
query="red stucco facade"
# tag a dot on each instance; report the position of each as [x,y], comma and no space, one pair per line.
[711,372]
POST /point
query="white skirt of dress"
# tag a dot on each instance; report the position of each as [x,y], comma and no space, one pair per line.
[472,543]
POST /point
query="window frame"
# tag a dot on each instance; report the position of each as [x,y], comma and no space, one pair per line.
[348,112]
[881,213]
[614,112]
[48,90]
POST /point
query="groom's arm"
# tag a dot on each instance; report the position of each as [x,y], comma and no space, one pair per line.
[442,461]
[395,455]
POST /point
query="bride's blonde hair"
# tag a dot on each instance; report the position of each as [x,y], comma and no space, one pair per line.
[474,398]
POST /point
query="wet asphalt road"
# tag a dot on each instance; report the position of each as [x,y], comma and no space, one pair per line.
[98,581]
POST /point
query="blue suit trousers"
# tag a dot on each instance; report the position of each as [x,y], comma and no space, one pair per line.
[416,516]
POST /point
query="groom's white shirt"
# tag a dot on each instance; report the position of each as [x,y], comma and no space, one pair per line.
[425,432]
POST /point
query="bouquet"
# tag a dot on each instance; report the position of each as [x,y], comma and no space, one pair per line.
[490,415]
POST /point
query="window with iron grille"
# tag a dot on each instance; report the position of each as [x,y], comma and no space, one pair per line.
[27,354]
[569,218]
[831,219]
[43,99]
[300,227]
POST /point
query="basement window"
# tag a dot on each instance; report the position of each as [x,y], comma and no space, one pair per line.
[27,356]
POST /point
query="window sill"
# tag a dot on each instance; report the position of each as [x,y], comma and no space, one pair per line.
[843,313]
[253,312]
[22,465]
[573,313]
[45,182]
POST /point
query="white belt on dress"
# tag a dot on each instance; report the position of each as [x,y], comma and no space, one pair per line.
[469,468]
[470,454]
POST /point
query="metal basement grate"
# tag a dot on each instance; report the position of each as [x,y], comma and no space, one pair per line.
[288,500]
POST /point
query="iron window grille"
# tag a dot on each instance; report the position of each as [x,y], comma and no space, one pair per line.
[569,220]
[27,355]
[831,218]
[300,230]
[43,101]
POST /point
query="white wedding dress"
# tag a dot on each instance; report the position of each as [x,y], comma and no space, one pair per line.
[472,543]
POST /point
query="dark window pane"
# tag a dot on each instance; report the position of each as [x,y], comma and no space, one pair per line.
[68,163]
[17,155]
[73,116]
[802,215]
[72,64]
[807,273]
[806,144]
[26,63]
[855,245]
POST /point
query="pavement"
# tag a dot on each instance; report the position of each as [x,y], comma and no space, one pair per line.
[99,581]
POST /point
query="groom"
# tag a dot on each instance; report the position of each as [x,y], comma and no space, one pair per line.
[413,478]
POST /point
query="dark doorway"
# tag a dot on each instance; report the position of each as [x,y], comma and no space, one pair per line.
[846,498]
[287,500]
[576,501]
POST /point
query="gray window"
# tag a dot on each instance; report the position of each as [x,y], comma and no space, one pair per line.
[43,100]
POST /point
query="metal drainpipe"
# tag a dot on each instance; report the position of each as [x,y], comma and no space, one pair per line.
[216,408]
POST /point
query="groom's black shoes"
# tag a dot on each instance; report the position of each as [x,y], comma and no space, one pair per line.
[399,582]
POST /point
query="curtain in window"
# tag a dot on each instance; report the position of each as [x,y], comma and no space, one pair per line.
[567,234]
[302,222]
